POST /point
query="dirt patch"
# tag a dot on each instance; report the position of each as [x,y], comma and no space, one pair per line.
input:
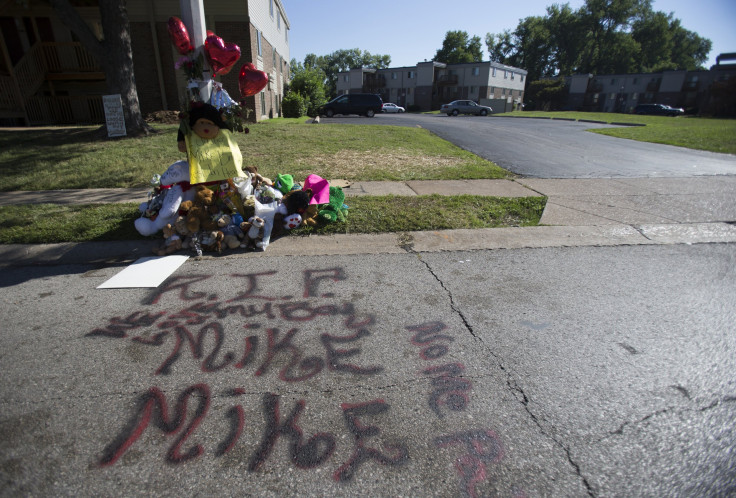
[352,163]
[163,117]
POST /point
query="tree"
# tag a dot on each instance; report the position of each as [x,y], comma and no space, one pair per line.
[114,54]
[458,47]
[500,46]
[602,36]
[309,83]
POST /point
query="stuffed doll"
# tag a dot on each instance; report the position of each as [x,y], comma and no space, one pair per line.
[231,231]
[175,183]
[334,210]
[212,152]
[211,240]
[172,242]
[292,221]
[254,233]
[199,211]
[181,228]
[295,202]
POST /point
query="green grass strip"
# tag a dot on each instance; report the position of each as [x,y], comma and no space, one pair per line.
[51,223]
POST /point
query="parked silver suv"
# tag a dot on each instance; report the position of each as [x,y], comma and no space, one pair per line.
[465,107]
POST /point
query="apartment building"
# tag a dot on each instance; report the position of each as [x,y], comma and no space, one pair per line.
[48,77]
[428,85]
[694,91]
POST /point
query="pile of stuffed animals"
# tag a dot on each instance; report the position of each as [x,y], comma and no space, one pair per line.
[211,202]
[242,212]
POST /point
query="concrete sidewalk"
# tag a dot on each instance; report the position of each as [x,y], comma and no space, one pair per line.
[579,212]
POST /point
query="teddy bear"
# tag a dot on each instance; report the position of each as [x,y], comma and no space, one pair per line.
[172,242]
[230,228]
[175,184]
[199,211]
[334,210]
[295,202]
[180,225]
[254,232]
[211,240]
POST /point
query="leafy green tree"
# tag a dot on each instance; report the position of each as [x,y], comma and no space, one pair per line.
[602,36]
[309,82]
[459,47]
[500,46]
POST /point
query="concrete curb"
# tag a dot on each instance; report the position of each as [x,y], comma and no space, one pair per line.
[125,252]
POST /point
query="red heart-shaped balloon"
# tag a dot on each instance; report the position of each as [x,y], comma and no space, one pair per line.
[221,56]
[251,80]
[179,35]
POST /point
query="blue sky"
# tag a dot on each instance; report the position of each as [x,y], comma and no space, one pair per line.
[411,31]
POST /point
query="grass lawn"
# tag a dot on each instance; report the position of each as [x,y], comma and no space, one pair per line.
[68,158]
[715,135]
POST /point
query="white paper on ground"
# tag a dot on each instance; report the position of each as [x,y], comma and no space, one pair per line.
[145,272]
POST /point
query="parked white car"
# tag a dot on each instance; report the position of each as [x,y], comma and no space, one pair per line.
[389,107]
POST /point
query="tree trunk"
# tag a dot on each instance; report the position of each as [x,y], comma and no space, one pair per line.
[114,54]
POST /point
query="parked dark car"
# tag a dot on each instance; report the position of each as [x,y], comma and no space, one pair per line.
[465,107]
[658,110]
[365,104]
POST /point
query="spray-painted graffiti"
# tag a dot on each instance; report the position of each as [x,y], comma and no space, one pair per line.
[451,390]
[259,333]
[199,321]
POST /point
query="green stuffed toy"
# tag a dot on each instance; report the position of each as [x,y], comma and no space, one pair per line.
[335,210]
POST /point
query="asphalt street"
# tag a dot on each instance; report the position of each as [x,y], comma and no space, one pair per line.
[593,356]
[544,148]
[555,372]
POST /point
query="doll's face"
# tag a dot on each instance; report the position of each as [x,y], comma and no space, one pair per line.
[206,129]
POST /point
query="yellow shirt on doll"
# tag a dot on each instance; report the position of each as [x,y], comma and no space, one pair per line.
[212,159]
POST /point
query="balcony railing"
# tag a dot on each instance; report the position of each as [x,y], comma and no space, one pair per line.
[447,79]
[78,110]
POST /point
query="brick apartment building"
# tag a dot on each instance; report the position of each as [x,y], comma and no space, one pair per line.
[428,85]
[690,90]
[47,77]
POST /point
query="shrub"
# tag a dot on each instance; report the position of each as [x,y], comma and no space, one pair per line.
[293,105]
[413,108]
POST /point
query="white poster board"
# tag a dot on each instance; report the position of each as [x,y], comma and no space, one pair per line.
[145,272]
[114,117]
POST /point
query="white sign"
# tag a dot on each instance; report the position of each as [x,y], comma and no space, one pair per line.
[114,117]
[145,272]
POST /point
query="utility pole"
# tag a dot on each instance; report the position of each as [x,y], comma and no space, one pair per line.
[192,15]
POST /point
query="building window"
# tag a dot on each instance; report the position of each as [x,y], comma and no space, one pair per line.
[595,97]
[274,59]
[505,74]
[270,7]
[263,103]
[410,74]
[613,81]
[503,92]
[493,90]
[512,76]
[346,78]
[521,78]
[476,71]
[286,35]
[258,42]
[635,80]
[494,72]
[408,91]
[634,96]
[612,96]
[394,76]
[278,20]
[473,90]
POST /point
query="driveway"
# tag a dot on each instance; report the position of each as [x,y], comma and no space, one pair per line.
[542,148]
